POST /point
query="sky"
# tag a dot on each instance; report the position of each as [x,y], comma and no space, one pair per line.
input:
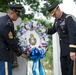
[68,6]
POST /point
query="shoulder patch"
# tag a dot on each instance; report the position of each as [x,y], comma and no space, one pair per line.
[10,35]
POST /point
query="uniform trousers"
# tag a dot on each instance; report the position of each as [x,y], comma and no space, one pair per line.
[5,68]
[66,65]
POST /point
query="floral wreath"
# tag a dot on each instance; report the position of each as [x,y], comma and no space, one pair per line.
[33,41]
[29,48]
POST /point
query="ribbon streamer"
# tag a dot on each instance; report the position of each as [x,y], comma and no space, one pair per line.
[36,55]
[39,67]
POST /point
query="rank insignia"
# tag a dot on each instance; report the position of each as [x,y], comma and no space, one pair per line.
[10,35]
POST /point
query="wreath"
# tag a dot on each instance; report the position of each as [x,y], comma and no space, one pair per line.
[33,39]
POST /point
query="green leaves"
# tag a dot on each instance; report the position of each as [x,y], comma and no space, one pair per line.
[3,5]
[36,6]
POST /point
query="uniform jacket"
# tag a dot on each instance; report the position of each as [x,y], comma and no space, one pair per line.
[66,28]
[7,41]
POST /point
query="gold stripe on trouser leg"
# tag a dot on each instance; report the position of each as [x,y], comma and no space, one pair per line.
[74,67]
[6,68]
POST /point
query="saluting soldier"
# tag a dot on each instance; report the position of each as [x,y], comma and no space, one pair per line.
[66,28]
[7,41]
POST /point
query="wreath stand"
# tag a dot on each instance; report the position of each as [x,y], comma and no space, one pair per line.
[74,67]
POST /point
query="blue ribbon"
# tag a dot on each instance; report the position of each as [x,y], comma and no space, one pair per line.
[36,55]
[40,68]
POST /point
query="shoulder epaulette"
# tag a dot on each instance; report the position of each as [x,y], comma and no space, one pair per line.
[68,15]
[73,17]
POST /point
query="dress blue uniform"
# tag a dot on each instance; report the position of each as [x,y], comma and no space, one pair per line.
[8,42]
[66,28]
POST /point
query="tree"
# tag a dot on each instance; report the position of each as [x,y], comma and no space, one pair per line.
[3,5]
[35,6]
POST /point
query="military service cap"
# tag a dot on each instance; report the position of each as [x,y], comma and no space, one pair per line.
[53,8]
[16,8]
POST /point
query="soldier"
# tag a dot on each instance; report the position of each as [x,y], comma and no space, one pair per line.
[65,26]
[7,41]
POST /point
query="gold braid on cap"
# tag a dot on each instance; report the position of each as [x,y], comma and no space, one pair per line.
[53,11]
[17,9]
[72,46]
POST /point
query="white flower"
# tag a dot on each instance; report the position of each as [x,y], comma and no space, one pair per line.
[22,43]
[24,30]
[20,38]
[46,39]
[18,34]
[34,24]
[40,30]
[43,30]
[27,26]
[24,36]
[42,40]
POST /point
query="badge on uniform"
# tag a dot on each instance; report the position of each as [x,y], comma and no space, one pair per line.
[10,35]
[62,23]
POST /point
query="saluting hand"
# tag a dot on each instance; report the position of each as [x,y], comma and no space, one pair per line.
[72,55]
